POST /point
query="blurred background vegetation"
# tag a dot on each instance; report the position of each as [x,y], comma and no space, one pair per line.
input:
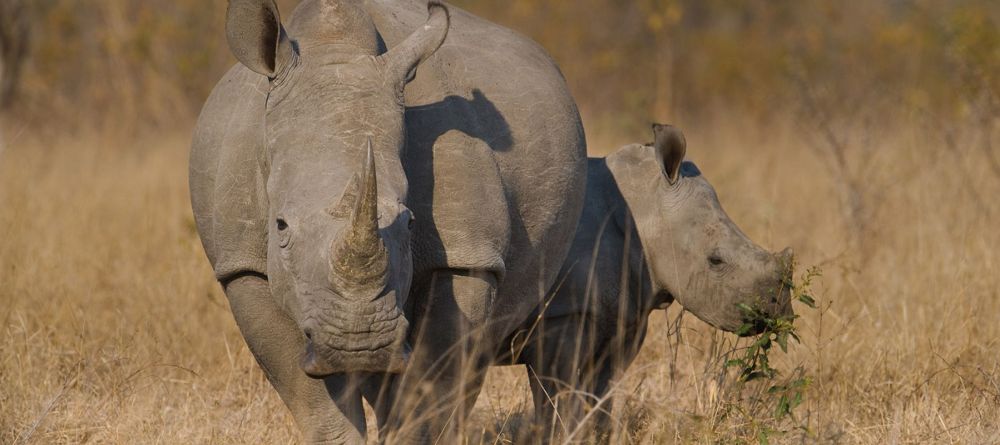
[134,65]
[861,133]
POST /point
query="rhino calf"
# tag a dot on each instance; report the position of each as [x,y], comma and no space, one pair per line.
[652,232]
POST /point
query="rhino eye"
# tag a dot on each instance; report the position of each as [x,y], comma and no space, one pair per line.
[716,260]
[282,225]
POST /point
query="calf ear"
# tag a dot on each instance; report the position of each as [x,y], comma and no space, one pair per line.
[670,149]
[256,37]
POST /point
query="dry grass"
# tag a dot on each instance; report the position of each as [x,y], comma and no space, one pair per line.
[113,330]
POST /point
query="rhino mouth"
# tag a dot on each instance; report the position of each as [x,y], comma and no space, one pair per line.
[348,337]
[319,362]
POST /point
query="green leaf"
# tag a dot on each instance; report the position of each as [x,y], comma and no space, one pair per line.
[795,336]
[735,362]
[764,342]
[807,300]
[783,408]
[782,340]
[762,437]
[796,399]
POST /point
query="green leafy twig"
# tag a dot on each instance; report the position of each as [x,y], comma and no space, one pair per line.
[753,363]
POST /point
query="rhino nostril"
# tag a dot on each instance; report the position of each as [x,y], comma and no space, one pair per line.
[309,334]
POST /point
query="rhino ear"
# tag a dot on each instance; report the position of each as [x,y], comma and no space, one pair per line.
[256,37]
[670,149]
[402,60]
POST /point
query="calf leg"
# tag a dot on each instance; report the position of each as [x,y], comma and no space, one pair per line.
[326,411]
[609,359]
[570,373]
[555,410]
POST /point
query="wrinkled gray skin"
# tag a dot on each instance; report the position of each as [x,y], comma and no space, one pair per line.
[652,232]
[353,214]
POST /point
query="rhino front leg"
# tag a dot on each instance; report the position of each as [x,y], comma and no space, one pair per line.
[327,411]
[439,388]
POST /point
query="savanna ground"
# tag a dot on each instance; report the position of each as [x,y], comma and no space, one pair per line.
[863,136]
[115,331]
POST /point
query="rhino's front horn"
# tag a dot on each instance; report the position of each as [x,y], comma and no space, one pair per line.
[358,257]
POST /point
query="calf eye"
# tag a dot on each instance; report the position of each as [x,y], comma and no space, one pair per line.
[282,225]
[715,260]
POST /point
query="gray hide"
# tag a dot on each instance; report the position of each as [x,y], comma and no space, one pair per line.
[349,219]
[652,232]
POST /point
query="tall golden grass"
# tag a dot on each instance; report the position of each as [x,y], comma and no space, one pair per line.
[112,329]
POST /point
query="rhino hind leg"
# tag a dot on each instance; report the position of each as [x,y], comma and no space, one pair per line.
[326,411]
[437,391]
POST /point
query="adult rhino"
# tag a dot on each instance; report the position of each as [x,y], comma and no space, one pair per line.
[652,232]
[356,197]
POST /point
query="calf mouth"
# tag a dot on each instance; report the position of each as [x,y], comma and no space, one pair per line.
[757,318]
[752,327]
